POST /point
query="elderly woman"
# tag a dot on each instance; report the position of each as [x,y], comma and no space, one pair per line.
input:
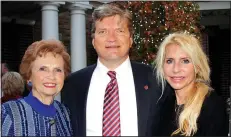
[12,86]
[193,109]
[45,64]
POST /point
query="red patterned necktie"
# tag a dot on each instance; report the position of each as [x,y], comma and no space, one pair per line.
[111,108]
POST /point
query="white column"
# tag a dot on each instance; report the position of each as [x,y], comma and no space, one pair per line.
[78,34]
[50,27]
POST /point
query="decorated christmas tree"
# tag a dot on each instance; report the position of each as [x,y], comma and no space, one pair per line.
[152,20]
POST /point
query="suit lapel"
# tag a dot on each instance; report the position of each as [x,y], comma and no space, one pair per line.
[141,89]
[83,92]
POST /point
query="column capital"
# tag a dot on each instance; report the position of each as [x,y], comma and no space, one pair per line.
[50,3]
[76,5]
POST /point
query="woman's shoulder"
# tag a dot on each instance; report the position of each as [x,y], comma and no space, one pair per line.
[12,107]
[214,104]
[62,110]
[12,103]
[214,100]
[213,118]
[60,106]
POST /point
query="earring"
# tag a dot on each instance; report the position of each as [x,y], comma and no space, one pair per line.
[29,83]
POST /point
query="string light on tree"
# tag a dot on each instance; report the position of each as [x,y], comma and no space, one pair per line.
[155,19]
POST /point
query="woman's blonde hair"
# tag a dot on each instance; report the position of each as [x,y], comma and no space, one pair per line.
[187,124]
[12,84]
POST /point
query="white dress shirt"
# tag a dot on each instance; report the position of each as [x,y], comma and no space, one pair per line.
[127,99]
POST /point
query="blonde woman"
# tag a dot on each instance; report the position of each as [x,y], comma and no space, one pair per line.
[12,86]
[194,109]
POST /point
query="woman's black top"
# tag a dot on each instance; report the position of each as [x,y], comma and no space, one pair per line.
[212,121]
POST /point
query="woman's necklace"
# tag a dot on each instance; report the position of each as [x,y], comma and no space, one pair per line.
[178,110]
[176,107]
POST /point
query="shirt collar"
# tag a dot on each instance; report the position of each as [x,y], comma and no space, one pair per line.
[120,70]
[124,68]
[38,106]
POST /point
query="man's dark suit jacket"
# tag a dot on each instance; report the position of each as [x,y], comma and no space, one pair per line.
[75,91]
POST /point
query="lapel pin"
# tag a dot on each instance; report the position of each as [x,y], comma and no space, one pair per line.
[146,87]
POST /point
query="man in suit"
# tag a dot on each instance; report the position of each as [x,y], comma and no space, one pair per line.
[84,91]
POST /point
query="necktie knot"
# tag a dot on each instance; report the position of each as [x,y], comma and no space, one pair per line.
[112,74]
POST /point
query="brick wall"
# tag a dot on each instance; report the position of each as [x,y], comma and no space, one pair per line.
[64,28]
[91,53]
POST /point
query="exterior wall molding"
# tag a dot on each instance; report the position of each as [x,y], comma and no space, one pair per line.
[78,5]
